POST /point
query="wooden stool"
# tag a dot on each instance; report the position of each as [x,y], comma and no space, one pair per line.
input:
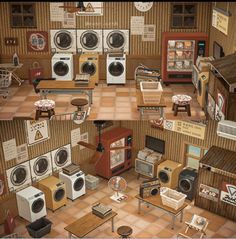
[124,231]
[79,103]
[46,107]
[181,103]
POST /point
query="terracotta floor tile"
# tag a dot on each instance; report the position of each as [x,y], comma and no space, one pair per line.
[165,234]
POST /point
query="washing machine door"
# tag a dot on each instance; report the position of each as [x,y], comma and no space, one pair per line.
[185,185]
[61,68]
[199,87]
[89,68]
[78,184]
[19,175]
[61,157]
[163,176]
[89,40]
[63,40]
[41,166]
[59,194]
[116,39]
[37,205]
[116,68]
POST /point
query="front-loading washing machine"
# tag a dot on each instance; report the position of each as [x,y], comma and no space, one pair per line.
[116,68]
[63,40]
[88,63]
[89,41]
[75,184]
[61,157]
[31,203]
[19,176]
[55,192]
[41,167]
[62,66]
[168,173]
[116,40]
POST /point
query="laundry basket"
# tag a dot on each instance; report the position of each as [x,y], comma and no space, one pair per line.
[5,82]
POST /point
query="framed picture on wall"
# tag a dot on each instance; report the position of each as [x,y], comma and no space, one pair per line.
[211,106]
[37,41]
[3,186]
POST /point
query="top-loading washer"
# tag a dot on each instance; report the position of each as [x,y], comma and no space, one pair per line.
[62,66]
[41,167]
[19,176]
[31,204]
[89,41]
[61,157]
[63,40]
[116,40]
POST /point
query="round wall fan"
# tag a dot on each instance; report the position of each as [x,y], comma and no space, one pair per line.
[99,149]
[117,184]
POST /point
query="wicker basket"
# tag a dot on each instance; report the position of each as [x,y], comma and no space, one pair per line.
[151,92]
[91,181]
[172,198]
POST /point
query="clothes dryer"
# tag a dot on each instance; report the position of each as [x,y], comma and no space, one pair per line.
[116,68]
[62,66]
[75,184]
[19,176]
[31,203]
[63,40]
[89,41]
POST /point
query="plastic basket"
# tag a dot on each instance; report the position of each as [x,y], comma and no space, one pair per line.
[151,92]
[172,198]
[91,181]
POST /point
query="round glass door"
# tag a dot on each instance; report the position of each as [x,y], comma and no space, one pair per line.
[37,205]
[163,176]
[89,40]
[63,40]
[61,157]
[116,39]
[59,194]
[116,68]
[89,68]
[185,185]
[78,184]
[60,68]
[41,166]
[18,175]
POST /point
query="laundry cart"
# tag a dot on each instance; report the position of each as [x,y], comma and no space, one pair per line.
[5,82]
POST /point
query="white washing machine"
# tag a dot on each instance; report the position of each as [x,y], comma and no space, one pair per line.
[116,68]
[61,157]
[116,40]
[89,41]
[63,40]
[41,167]
[31,203]
[75,184]
[19,176]
[62,66]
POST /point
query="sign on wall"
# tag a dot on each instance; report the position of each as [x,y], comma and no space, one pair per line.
[37,41]
[228,193]
[220,21]
[208,192]
[9,149]
[89,8]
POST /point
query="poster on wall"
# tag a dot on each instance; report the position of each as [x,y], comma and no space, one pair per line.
[219,114]
[149,33]
[56,11]
[137,25]
[9,149]
[211,106]
[89,8]
[22,153]
[3,186]
[69,20]
[83,137]
[75,137]
[37,131]
[220,20]
[228,193]
[37,41]
[209,192]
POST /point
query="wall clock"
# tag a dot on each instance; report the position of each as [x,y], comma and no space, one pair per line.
[143,6]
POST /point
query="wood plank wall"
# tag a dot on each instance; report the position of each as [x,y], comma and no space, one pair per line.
[117,15]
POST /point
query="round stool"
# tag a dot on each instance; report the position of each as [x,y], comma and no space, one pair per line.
[44,106]
[79,103]
[181,103]
[124,231]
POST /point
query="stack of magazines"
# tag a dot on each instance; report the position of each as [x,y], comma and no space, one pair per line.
[101,210]
[82,79]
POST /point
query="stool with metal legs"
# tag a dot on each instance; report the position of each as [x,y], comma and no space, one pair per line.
[124,231]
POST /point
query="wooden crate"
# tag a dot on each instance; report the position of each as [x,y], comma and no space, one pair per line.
[151,92]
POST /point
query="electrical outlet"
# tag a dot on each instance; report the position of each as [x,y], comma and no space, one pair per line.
[11,41]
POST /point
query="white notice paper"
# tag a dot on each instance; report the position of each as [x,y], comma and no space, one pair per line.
[9,149]
[83,137]
[56,12]
[149,33]
[137,25]
[69,20]
[75,137]
[22,153]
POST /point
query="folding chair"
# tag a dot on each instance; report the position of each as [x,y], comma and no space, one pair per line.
[5,82]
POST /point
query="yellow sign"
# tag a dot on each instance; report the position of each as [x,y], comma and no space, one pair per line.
[220,21]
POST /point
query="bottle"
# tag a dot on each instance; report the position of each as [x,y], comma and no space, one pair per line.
[15,60]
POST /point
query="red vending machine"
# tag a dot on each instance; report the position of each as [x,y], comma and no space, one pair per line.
[114,162]
[179,53]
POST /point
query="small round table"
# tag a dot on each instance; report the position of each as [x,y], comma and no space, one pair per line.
[181,103]
[79,103]
[124,231]
[44,106]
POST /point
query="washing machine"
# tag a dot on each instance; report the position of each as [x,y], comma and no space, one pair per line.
[61,157]
[55,192]
[116,68]
[168,173]
[41,167]
[19,176]
[202,85]
[63,40]
[187,183]
[62,66]
[116,40]
[31,204]
[75,184]
[89,41]
[88,63]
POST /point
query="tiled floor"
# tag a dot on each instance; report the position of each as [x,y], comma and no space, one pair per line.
[113,102]
[151,223]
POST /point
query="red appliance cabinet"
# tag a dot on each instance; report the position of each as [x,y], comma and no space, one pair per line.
[115,162]
[179,53]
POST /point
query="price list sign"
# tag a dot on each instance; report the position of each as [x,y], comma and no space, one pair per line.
[209,192]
